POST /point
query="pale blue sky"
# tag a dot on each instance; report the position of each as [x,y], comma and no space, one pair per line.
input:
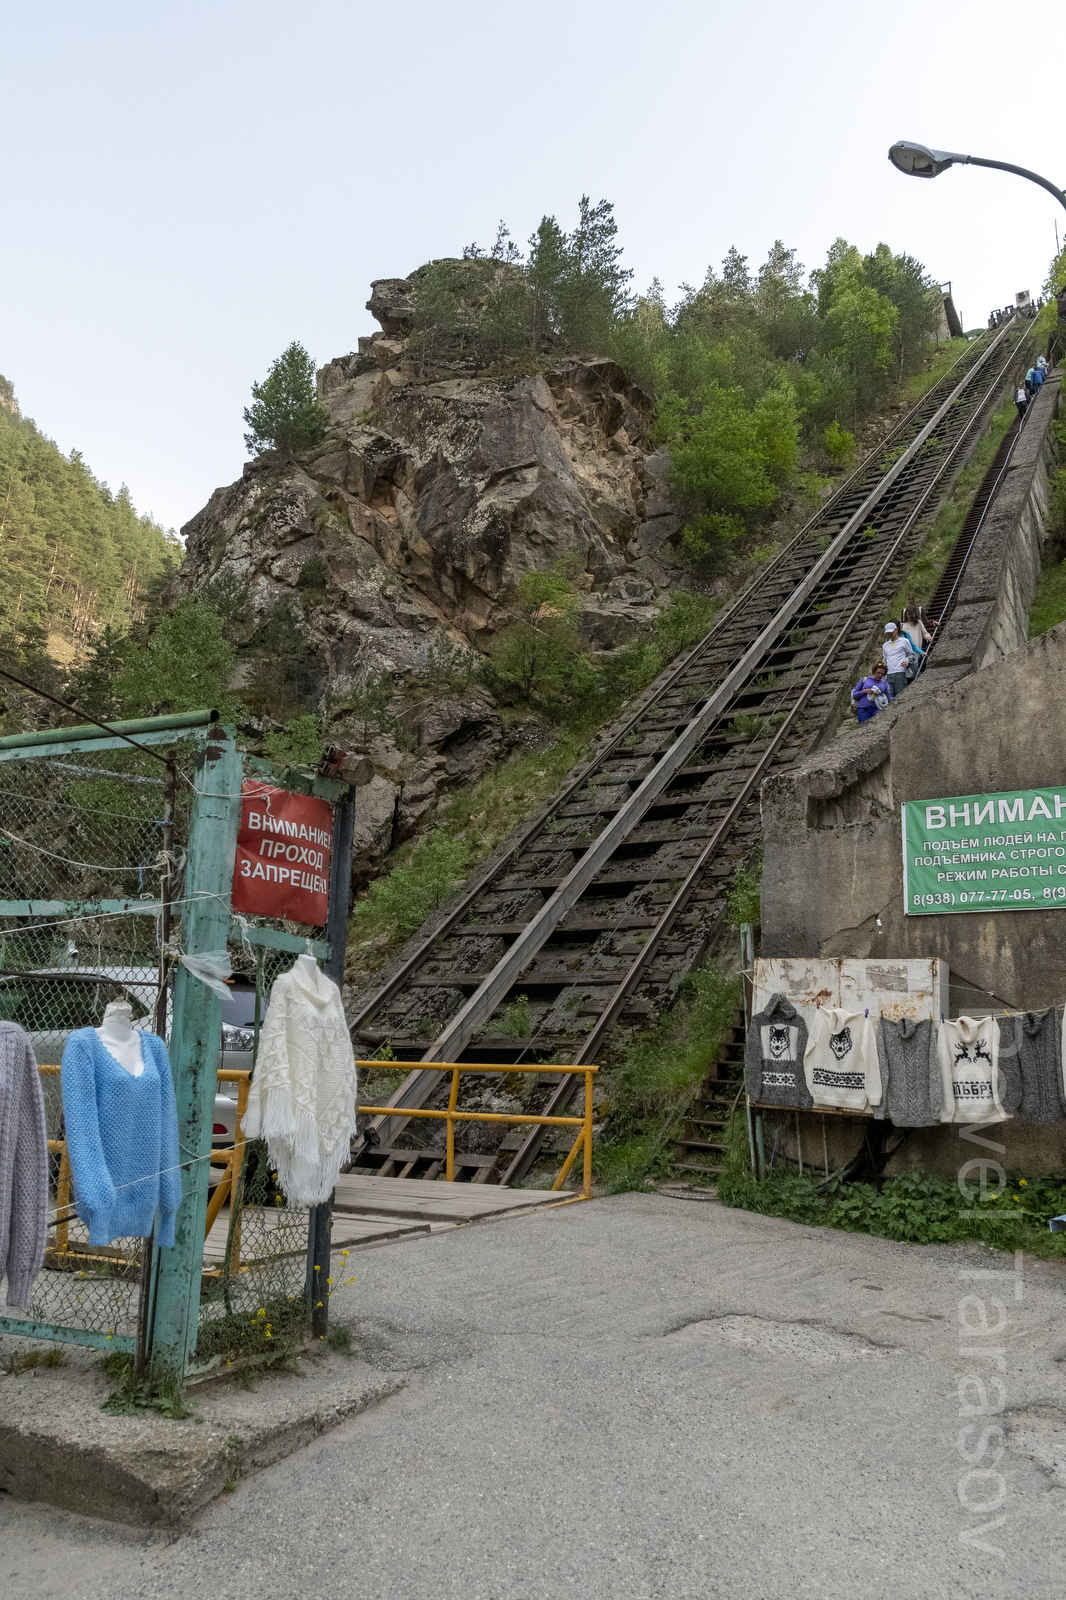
[187,187]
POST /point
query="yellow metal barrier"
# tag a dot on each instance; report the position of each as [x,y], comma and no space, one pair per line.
[451,1116]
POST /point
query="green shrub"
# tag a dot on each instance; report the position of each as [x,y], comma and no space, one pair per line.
[684,621]
[838,443]
[743,901]
[399,903]
[299,743]
[913,1208]
[517,1019]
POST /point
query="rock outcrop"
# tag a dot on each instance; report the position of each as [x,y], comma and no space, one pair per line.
[419,513]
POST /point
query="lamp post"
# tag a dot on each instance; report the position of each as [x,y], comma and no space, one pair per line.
[919,162]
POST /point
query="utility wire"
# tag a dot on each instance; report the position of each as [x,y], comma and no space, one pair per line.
[65,705]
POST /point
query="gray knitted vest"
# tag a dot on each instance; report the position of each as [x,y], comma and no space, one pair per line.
[1030,1069]
[911,1091]
[23,1165]
[773,1056]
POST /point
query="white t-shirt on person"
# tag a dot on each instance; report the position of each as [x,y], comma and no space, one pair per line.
[897,654]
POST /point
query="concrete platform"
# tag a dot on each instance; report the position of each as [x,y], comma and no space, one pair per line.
[56,1444]
[435,1201]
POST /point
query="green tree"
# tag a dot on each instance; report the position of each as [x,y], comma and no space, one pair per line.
[92,685]
[185,666]
[74,557]
[370,707]
[904,282]
[285,414]
[545,272]
[540,658]
[717,452]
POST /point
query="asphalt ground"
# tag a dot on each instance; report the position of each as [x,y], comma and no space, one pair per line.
[643,1397]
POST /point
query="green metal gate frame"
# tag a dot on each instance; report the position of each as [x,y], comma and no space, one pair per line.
[173,1302]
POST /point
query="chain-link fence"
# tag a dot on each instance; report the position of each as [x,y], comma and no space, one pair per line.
[253,1300]
[85,841]
[93,847]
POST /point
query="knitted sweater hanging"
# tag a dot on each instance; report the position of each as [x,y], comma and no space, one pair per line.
[23,1165]
[773,1056]
[302,1099]
[841,1060]
[1030,1081]
[969,1068]
[122,1139]
[911,1086]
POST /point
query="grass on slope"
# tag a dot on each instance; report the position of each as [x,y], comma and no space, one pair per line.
[426,870]
[1049,601]
[926,570]
[650,1092]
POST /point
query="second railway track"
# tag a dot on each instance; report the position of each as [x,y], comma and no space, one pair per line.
[608,897]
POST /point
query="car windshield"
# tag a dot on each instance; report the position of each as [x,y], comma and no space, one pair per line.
[238,1008]
[55,1004]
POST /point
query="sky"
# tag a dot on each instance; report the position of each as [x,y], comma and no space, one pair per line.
[190,186]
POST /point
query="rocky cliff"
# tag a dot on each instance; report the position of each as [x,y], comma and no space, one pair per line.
[431,495]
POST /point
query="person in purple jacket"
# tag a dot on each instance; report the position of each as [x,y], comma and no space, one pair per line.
[871,694]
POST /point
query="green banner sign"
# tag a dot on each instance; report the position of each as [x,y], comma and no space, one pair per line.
[985,852]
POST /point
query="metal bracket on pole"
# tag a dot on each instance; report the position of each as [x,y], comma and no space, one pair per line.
[196,1033]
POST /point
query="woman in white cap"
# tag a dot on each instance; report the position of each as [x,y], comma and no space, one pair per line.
[897,655]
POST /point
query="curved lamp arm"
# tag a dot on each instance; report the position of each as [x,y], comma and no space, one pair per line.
[919,162]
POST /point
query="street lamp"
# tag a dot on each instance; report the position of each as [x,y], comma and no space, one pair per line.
[919,162]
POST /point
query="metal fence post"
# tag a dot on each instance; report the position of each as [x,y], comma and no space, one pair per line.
[320,1229]
[194,1040]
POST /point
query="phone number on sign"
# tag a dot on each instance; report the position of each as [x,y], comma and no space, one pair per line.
[975,896]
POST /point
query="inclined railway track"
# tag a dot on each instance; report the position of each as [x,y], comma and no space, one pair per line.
[608,896]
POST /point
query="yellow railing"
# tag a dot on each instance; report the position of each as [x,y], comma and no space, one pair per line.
[231,1181]
[451,1116]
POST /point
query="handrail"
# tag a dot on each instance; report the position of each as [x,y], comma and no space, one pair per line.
[452,1116]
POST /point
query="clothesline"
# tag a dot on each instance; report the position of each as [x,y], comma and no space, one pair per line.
[147,1177]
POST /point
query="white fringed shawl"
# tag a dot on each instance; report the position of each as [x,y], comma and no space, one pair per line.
[302,1098]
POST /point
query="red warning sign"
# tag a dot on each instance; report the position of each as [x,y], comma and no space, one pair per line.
[283,847]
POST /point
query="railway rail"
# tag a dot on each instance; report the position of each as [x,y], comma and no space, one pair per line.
[609,895]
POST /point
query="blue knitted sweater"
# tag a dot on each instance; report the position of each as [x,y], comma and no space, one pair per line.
[122,1139]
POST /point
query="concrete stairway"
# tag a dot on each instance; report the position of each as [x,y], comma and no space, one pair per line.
[700,1152]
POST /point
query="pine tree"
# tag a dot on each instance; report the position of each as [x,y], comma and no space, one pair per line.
[286,414]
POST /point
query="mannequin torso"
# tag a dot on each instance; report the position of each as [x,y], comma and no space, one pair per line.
[117,1034]
[309,964]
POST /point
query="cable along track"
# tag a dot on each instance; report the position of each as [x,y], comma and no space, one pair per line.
[607,897]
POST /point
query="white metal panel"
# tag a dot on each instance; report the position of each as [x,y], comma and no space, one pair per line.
[906,987]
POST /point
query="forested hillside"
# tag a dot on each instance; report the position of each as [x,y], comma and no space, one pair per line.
[74,557]
[756,373]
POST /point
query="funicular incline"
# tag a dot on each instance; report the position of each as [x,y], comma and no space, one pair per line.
[608,897]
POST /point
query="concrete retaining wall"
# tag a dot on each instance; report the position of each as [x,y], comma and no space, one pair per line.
[991,616]
[986,716]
